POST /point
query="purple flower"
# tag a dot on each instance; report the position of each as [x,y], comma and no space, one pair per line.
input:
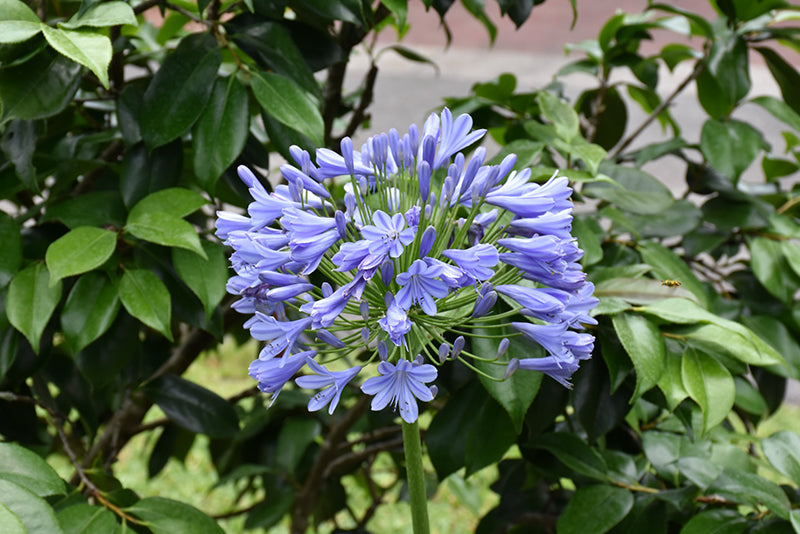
[456,136]
[274,373]
[537,302]
[388,235]
[333,383]
[549,336]
[396,323]
[559,369]
[309,250]
[476,261]
[400,385]
[280,336]
[420,285]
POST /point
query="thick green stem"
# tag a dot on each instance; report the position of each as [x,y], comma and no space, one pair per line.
[412,444]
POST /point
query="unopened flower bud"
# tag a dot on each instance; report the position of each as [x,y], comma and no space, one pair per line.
[383,350]
[447,189]
[424,179]
[434,390]
[502,348]
[458,345]
[347,153]
[387,273]
[365,335]
[484,304]
[426,243]
[327,290]
[363,185]
[363,307]
[341,224]
[326,337]
[513,365]
[444,350]
[388,298]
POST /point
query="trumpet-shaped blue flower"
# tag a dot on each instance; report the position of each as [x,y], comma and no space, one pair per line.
[400,385]
[399,258]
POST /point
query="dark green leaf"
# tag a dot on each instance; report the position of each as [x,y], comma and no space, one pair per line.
[271,511]
[782,449]
[31,301]
[92,209]
[748,488]
[709,384]
[180,89]
[457,416]
[29,470]
[679,219]
[726,79]
[91,307]
[146,297]
[11,245]
[165,516]
[274,49]
[720,340]
[144,172]
[671,381]
[527,153]
[606,112]
[205,277]
[787,77]
[288,104]
[89,48]
[730,147]
[19,145]
[221,131]
[412,55]
[669,266]
[193,407]
[645,346]
[344,10]
[673,53]
[574,453]
[295,436]
[39,88]
[516,393]
[175,201]
[632,190]
[595,510]
[78,251]
[490,436]
[775,168]
[715,522]
[780,110]
[165,229]
[649,100]
[34,512]
[772,269]
[84,518]
[589,236]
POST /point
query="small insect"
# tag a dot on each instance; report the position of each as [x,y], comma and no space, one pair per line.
[670,283]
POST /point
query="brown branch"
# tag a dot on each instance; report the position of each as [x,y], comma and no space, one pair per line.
[306,497]
[346,461]
[112,152]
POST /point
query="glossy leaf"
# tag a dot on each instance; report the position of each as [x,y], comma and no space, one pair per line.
[709,384]
[33,511]
[772,269]
[730,147]
[175,201]
[715,522]
[671,381]
[84,518]
[146,297]
[16,10]
[288,104]
[194,407]
[26,468]
[205,277]
[90,49]
[11,245]
[98,208]
[221,131]
[10,523]
[90,309]
[17,31]
[39,88]
[31,301]
[639,290]
[165,516]
[722,340]
[782,449]
[145,171]
[165,229]
[726,79]
[78,251]
[780,110]
[490,436]
[295,436]
[573,452]
[180,90]
[631,190]
[561,114]
[749,488]
[787,76]
[667,265]
[645,346]
[595,510]
[114,13]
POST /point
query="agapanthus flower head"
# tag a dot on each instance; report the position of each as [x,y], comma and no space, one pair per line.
[393,255]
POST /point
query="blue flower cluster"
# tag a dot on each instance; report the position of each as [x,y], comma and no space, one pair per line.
[415,253]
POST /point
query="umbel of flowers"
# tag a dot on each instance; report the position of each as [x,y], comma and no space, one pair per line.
[396,253]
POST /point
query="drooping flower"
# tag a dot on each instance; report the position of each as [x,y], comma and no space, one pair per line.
[403,248]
